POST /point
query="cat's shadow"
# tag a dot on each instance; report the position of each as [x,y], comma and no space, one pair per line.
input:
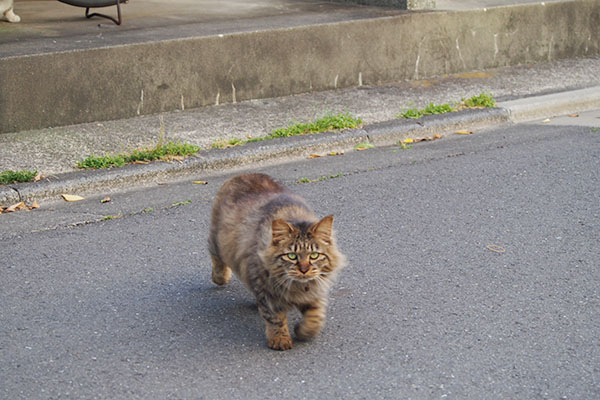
[209,315]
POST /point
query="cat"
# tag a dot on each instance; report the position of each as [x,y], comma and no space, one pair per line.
[273,242]
[6,7]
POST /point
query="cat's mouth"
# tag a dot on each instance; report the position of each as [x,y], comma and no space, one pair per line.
[303,278]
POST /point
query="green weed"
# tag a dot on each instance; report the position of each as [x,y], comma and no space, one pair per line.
[320,179]
[98,162]
[411,113]
[327,123]
[221,144]
[7,177]
[163,152]
[484,100]
[432,109]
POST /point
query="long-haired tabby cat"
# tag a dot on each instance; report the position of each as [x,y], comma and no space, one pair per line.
[273,243]
[6,8]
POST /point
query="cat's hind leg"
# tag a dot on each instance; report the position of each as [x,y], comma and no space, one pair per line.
[221,273]
[11,16]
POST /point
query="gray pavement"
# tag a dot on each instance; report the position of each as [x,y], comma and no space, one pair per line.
[113,300]
[124,309]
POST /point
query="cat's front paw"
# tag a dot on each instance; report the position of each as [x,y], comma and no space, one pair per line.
[12,17]
[280,342]
[304,331]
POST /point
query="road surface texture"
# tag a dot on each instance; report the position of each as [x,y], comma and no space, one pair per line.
[473,273]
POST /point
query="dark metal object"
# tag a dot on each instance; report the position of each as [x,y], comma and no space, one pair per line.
[87,4]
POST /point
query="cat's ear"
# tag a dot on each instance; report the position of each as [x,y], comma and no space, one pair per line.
[323,229]
[281,230]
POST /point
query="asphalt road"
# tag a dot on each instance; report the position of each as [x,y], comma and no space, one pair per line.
[125,309]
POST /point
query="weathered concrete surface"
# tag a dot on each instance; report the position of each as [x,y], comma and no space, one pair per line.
[526,109]
[118,82]
[402,4]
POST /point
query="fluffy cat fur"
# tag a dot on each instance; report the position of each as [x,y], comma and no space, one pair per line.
[274,243]
[6,8]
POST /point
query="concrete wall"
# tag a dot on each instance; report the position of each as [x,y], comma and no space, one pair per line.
[401,4]
[112,83]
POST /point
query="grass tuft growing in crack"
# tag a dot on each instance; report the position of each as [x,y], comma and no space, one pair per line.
[320,179]
[163,152]
[329,122]
[8,177]
[483,100]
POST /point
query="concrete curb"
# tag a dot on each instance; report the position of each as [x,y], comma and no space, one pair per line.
[258,153]
[530,108]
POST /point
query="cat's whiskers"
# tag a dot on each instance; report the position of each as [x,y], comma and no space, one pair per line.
[281,280]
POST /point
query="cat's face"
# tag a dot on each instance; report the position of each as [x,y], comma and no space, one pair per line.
[301,251]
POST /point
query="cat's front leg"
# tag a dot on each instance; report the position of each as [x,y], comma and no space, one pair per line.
[11,16]
[312,321]
[278,333]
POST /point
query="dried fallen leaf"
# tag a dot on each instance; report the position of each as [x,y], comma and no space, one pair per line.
[37,177]
[18,207]
[15,207]
[546,120]
[174,158]
[573,115]
[464,132]
[141,162]
[200,182]
[105,200]
[424,139]
[363,146]
[314,156]
[71,197]
[495,248]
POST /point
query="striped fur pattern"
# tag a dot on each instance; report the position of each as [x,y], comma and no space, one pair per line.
[273,242]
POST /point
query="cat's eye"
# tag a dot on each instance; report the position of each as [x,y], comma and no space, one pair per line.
[292,256]
[314,256]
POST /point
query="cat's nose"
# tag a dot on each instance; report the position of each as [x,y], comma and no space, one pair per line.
[304,267]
